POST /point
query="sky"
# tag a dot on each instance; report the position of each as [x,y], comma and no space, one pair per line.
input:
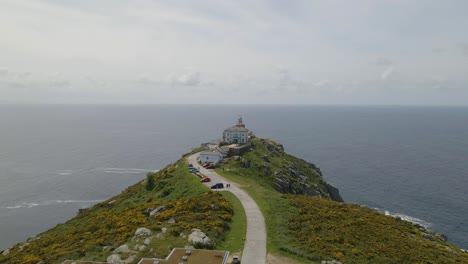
[363,52]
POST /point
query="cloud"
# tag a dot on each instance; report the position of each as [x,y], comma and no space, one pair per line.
[188,78]
[387,73]
[382,62]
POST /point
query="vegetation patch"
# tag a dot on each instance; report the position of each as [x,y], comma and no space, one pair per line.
[326,229]
[95,232]
[235,238]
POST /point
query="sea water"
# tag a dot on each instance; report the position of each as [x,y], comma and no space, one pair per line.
[405,161]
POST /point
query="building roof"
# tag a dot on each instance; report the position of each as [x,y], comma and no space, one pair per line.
[236,129]
[210,153]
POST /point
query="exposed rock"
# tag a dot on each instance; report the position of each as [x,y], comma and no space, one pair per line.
[159,235]
[330,262]
[108,248]
[147,241]
[442,237]
[198,237]
[451,251]
[6,252]
[334,193]
[112,202]
[130,259]
[164,230]
[157,210]
[122,249]
[428,237]
[114,258]
[265,158]
[40,262]
[171,221]
[183,236]
[141,247]
[82,210]
[142,231]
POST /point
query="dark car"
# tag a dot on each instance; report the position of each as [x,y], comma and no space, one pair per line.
[217,186]
[206,179]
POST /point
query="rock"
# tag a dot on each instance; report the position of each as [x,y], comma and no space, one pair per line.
[141,247]
[428,237]
[171,221]
[198,237]
[40,262]
[130,259]
[164,230]
[108,248]
[82,210]
[157,211]
[142,231]
[451,251]
[147,241]
[334,193]
[122,249]
[159,235]
[442,237]
[111,202]
[183,236]
[6,252]
[114,258]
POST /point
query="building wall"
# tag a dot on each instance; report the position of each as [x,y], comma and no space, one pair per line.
[230,137]
[210,158]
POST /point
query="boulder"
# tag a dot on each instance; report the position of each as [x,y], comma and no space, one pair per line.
[171,221]
[141,247]
[122,249]
[157,210]
[6,252]
[147,241]
[114,258]
[198,237]
[164,230]
[442,237]
[142,231]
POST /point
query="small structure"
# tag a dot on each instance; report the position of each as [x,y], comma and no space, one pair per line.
[236,134]
[208,156]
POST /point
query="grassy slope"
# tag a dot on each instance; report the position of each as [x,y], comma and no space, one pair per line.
[338,231]
[234,241]
[113,222]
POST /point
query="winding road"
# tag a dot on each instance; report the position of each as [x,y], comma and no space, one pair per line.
[255,242]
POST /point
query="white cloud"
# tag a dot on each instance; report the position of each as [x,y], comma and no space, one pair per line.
[188,78]
[387,73]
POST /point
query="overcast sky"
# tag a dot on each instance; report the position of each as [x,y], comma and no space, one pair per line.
[243,51]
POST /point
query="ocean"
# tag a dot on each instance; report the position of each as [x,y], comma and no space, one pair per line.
[400,160]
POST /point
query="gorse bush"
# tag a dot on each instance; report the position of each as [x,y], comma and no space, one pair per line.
[114,222]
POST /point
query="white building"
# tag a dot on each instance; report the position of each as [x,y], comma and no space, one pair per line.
[236,134]
[207,156]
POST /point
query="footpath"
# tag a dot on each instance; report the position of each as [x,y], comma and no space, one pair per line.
[255,242]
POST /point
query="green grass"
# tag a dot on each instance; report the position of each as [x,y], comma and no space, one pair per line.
[235,238]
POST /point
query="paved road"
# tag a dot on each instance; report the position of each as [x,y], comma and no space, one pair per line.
[255,241]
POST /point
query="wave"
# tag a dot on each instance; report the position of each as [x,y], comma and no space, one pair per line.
[406,218]
[50,202]
[123,170]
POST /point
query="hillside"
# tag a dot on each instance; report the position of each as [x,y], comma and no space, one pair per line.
[94,233]
[305,217]
[307,222]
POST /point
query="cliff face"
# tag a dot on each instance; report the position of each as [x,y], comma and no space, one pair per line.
[286,173]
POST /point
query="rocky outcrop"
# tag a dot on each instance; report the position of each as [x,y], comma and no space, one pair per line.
[142,231]
[199,239]
[297,177]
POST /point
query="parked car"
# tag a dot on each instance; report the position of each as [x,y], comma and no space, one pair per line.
[191,169]
[206,164]
[190,165]
[217,186]
[206,179]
